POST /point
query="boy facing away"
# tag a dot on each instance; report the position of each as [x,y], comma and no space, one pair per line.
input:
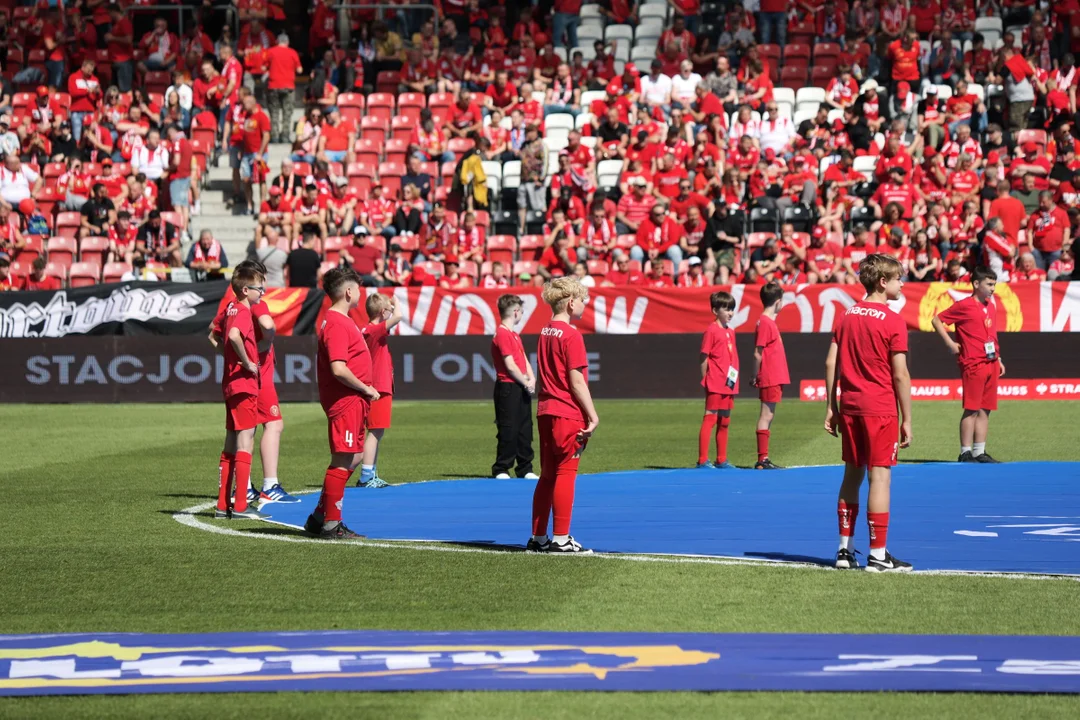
[866,374]
[515,384]
[979,356]
[772,370]
[720,378]
[383,314]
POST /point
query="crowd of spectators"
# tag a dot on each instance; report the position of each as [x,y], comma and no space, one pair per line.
[657,143]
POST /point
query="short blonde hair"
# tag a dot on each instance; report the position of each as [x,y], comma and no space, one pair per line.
[559,291]
[877,267]
[376,305]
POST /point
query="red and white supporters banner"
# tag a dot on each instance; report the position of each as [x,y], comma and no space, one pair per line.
[1008,389]
[1022,307]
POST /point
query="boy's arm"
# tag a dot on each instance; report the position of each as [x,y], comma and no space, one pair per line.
[943,332]
[269,330]
[580,390]
[394,318]
[902,383]
[237,341]
[515,372]
[704,365]
[345,376]
[759,352]
[215,342]
[831,407]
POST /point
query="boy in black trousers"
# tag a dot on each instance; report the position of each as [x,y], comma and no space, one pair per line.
[515,385]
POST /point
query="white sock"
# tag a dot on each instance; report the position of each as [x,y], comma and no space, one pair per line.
[845,541]
[269,482]
[877,553]
[978,449]
[540,539]
[560,538]
[965,449]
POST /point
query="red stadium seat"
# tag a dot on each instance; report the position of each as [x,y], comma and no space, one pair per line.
[401,127]
[410,104]
[821,76]
[757,239]
[83,274]
[302,169]
[770,52]
[34,248]
[501,248]
[446,175]
[531,247]
[430,168]
[15,58]
[468,269]
[824,51]
[325,268]
[64,100]
[441,194]
[350,99]
[22,99]
[802,31]
[396,150]
[795,51]
[408,244]
[598,268]
[380,105]
[93,249]
[374,128]
[156,81]
[67,224]
[793,76]
[57,271]
[333,246]
[173,218]
[1036,136]
[387,81]
[390,177]
[443,100]
[367,150]
[625,242]
[92,168]
[432,267]
[360,169]
[460,145]
[114,271]
[20,269]
[526,266]
[483,219]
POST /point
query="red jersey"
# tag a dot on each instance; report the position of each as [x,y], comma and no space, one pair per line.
[377,337]
[123,239]
[47,282]
[774,369]
[506,343]
[976,331]
[865,338]
[340,339]
[236,380]
[560,349]
[722,371]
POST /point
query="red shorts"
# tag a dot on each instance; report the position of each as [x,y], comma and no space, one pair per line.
[869,440]
[241,412]
[980,386]
[378,417]
[268,410]
[559,447]
[346,429]
[716,401]
[771,393]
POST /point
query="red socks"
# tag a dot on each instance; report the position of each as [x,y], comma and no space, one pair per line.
[721,438]
[879,529]
[705,437]
[333,491]
[225,471]
[762,445]
[846,515]
[242,463]
[562,502]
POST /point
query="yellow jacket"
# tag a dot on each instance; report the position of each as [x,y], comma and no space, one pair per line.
[472,171]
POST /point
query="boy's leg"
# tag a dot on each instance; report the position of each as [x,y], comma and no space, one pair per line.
[269,450]
[705,435]
[545,486]
[723,421]
[967,431]
[371,454]
[524,431]
[987,405]
[505,429]
[877,510]
[245,443]
[566,463]
[765,418]
[981,430]
[226,467]
[847,504]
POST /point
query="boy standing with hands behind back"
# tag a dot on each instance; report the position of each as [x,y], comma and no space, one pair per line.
[383,314]
[515,385]
[720,378]
[772,370]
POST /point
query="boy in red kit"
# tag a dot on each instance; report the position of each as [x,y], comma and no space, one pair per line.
[240,386]
[979,356]
[515,384]
[866,374]
[383,314]
[268,412]
[565,414]
[720,378]
[343,368]
[772,370]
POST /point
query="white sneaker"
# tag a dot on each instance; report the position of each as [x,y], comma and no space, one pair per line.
[502,476]
[196,208]
[531,476]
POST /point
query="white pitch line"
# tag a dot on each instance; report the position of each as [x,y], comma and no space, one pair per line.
[189,518]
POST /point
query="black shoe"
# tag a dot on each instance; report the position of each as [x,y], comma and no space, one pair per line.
[845,560]
[537,547]
[570,546]
[340,532]
[889,564]
[766,464]
[966,457]
[985,458]
[314,524]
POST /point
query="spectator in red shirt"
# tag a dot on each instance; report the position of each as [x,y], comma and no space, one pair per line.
[1026,269]
[121,43]
[37,279]
[622,273]
[658,237]
[1010,210]
[283,65]
[634,207]
[85,91]
[1049,231]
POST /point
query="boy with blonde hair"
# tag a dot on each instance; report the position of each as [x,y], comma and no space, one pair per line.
[866,375]
[383,314]
[565,414]
[720,378]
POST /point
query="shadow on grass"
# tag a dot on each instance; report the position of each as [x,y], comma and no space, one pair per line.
[923,461]
[787,557]
[192,496]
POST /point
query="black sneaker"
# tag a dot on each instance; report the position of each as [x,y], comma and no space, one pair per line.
[249,514]
[766,464]
[570,546]
[340,532]
[845,560]
[314,524]
[985,458]
[889,564]
[537,547]
[966,457]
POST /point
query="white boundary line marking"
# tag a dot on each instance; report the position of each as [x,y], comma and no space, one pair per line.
[188,517]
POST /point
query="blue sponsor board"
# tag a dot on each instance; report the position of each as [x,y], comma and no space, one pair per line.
[123,663]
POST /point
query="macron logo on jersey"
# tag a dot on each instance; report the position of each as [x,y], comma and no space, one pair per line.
[866,312]
[551,332]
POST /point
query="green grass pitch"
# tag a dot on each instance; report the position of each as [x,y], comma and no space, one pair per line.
[89,544]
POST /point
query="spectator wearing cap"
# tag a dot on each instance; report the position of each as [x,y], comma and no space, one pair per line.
[694,275]
[341,208]
[634,207]
[207,256]
[452,279]
[658,237]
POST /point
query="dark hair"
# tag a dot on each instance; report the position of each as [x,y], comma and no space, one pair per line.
[254,264]
[507,303]
[771,293]
[982,272]
[39,263]
[4,262]
[334,281]
[721,300]
[243,274]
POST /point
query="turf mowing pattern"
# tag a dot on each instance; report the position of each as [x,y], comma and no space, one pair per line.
[90,545]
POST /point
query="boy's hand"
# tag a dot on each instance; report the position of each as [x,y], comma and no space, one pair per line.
[586,433]
[251,367]
[372,394]
[905,434]
[1001,366]
[954,347]
[830,421]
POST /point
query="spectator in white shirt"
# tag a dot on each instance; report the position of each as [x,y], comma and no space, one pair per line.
[656,88]
[684,84]
[17,182]
[151,158]
[775,131]
[9,140]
